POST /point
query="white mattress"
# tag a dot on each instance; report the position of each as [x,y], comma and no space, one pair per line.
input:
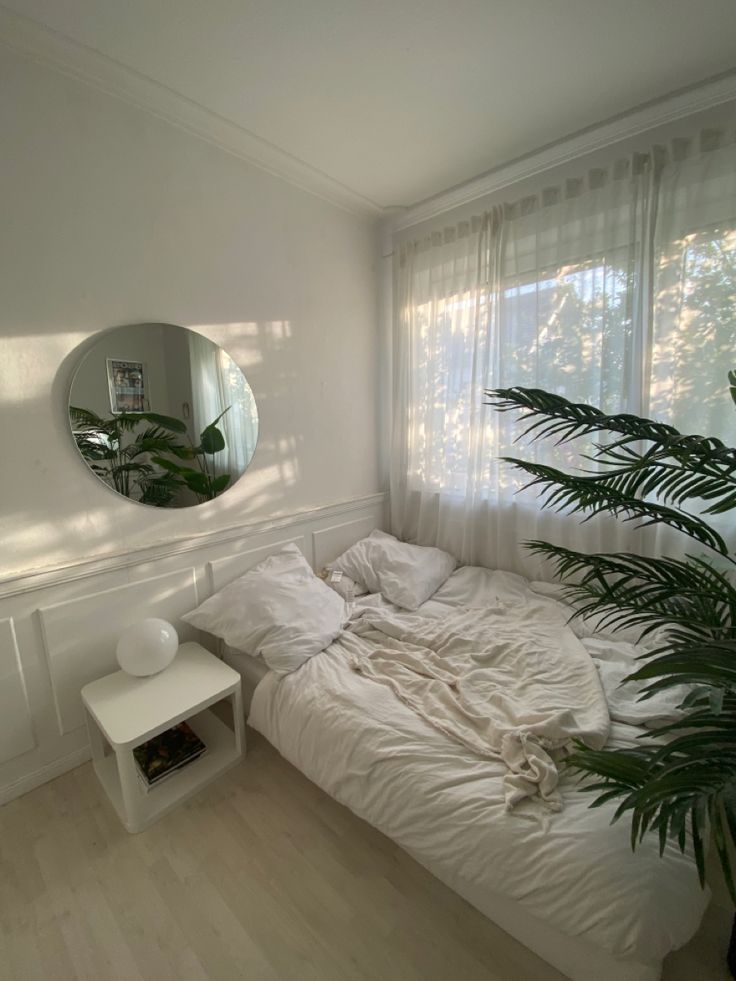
[567,885]
[250,669]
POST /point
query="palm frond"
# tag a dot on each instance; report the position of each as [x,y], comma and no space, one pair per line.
[85,417]
[698,662]
[674,478]
[159,490]
[129,421]
[663,795]
[680,781]
[154,439]
[627,590]
[573,494]
[557,416]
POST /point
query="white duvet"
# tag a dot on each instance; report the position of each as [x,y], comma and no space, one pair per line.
[508,681]
[445,804]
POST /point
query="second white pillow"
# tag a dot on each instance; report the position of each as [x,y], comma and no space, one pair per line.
[404,574]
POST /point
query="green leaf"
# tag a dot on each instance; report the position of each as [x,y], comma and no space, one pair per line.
[166,422]
[85,417]
[197,481]
[224,412]
[629,590]
[167,464]
[220,483]
[159,490]
[677,466]
[183,452]
[212,440]
[568,492]
[682,775]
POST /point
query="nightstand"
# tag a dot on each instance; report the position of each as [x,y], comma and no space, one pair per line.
[124,711]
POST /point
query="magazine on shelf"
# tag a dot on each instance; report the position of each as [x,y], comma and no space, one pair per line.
[167,753]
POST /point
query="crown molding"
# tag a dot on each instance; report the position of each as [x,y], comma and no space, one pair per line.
[706,95]
[87,65]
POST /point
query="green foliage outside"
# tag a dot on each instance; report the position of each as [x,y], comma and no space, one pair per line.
[570,331]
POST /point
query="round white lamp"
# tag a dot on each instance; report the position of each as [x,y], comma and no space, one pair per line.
[147,647]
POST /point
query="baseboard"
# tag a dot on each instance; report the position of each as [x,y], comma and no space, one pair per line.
[52,770]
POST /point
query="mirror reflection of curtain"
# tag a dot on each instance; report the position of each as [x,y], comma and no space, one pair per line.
[217,383]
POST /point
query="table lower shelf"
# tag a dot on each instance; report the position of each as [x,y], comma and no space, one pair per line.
[153,803]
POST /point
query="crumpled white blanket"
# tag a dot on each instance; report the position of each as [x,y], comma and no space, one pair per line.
[574,871]
[615,661]
[509,682]
[618,654]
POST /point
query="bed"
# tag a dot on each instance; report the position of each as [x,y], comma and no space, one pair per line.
[566,884]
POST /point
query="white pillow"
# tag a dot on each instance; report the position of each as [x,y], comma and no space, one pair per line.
[279,610]
[406,575]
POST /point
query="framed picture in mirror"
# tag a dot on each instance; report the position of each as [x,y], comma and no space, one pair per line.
[128,385]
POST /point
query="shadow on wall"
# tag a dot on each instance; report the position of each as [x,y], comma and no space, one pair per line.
[55,501]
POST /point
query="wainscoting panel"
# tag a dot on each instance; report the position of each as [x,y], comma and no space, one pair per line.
[222,571]
[16,727]
[332,541]
[59,626]
[80,636]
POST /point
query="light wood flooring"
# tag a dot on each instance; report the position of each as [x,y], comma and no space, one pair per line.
[260,877]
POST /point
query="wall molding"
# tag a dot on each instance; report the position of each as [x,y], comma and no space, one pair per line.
[228,567]
[75,656]
[61,626]
[85,64]
[56,50]
[29,781]
[33,579]
[17,733]
[687,102]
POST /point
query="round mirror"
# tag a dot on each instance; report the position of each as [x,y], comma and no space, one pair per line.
[162,415]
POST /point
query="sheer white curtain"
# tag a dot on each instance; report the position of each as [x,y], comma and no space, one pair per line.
[694,298]
[217,382]
[591,290]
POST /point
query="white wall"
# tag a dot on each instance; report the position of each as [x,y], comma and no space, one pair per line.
[111,216]
[141,342]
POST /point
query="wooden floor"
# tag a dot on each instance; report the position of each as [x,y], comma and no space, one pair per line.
[261,877]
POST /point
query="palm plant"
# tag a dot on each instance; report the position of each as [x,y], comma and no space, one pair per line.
[138,464]
[681,778]
[121,457]
[203,478]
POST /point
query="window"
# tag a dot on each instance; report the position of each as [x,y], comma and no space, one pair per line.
[620,293]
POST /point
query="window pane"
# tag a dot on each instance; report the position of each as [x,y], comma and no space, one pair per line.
[695,333]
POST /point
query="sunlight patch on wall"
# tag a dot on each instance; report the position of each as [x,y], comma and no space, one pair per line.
[248,342]
[23,374]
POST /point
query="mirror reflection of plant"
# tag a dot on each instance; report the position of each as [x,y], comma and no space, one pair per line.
[205,482]
[134,468]
[126,466]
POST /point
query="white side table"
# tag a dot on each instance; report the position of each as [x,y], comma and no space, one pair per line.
[123,712]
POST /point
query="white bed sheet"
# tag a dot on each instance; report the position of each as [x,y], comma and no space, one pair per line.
[252,670]
[567,885]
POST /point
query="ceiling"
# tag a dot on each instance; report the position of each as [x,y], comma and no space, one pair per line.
[399,100]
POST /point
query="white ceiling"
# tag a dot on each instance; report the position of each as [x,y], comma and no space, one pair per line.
[401,99]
